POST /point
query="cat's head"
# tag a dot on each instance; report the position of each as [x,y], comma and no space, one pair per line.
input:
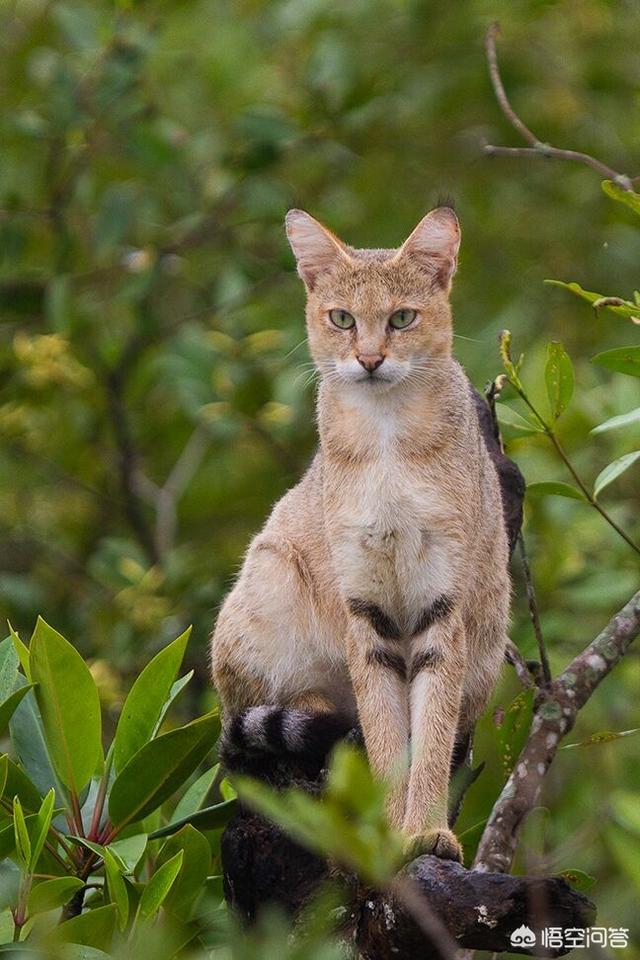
[378,317]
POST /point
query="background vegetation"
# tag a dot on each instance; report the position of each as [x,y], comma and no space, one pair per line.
[155,398]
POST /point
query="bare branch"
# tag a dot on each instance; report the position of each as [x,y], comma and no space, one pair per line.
[555,713]
[517,661]
[537,148]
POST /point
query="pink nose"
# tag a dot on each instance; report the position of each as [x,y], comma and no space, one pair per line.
[370,361]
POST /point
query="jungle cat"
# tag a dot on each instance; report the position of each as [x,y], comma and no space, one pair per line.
[379,585]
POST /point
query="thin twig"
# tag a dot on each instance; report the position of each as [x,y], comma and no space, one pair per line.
[533,609]
[538,147]
[517,661]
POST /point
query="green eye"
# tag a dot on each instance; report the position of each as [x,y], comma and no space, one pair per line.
[342,319]
[401,319]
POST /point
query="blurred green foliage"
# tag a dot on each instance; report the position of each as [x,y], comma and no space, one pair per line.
[155,396]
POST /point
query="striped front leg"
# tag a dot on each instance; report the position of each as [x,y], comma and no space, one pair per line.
[378,669]
[435,676]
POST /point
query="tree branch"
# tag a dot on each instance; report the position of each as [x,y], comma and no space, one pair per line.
[555,713]
[537,148]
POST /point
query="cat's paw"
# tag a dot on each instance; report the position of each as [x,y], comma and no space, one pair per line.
[441,843]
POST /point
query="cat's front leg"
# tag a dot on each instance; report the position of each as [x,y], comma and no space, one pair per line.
[435,675]
[378,670]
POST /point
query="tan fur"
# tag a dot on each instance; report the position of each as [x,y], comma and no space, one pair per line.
[401,510]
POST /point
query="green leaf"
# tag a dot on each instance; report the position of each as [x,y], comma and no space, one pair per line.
[622,420]
[512,425]
[613,471]
[8,668]
[43,822]
[30,744]
[23,841]
[9,706]
[8,837]
[605,737]
[555,488]
[23,653]
[192,877]
[559,378]
[94,928]
[116,888]
[51,894]
[130,850]
[621,359]
[627,197]
[209,818]
[196,795]
[622,308]
[578,879]
[69,704]
[156,891]
[143,707]
[4,767]
[19,784]
[159,768]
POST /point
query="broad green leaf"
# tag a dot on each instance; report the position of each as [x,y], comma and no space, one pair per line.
[559,378]
[69,705]
[512,425]
[23,841]
[8,668]
[30,744]
[209,818]
[156,891]
[19,784]
[147,697]
[94,928]
[192,877]
[622,308]
[174,693]
[621,359]
[116,887]
[555,488]
[196,795]
[22,651]
[156,771]
[43,822]
[627,197]
[613,471]
[578,879]
[605,737]
[622,420]
[4,767]
[51,894]
[10,705]
[130,850]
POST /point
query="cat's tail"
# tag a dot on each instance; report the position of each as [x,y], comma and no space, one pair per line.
[260,739]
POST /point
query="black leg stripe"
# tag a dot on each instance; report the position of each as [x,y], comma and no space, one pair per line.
[274,731]
[439,610]
[383,625]
[388,659]
[424,661]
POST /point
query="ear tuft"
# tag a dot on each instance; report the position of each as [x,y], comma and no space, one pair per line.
[435,243]
[315,248]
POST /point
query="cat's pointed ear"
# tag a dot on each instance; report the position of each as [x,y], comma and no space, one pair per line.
[315,248]
[434,243]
